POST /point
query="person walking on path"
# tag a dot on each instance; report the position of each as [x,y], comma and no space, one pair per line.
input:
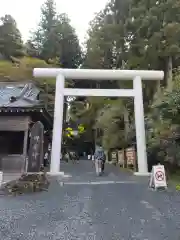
[99,158]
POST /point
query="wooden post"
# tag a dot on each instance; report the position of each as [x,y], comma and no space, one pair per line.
[26,131]
[25,148]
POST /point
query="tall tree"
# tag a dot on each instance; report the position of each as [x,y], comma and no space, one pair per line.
[56,41]
[155,37]
[43,41]
[107,48]
[70,50]
[11,44]
[55,38]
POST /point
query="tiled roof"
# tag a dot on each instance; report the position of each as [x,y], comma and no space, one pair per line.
[18,95]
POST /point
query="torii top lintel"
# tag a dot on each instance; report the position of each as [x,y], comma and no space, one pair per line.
[99,74]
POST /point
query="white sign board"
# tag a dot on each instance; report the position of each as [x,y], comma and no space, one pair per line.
[121,157]
[1,178]
[130,156]
[158,177]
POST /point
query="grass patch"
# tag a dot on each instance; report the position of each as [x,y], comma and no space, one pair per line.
[174,180]
[126,170]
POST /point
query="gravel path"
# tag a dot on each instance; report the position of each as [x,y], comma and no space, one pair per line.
[126,210]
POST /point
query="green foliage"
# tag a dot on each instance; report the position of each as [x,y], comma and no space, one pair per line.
[106,48]
[55,38]
[20,71]
[136,35]
[169,106]
[10,38]
[163,127]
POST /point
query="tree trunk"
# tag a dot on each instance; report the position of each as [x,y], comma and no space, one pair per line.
[65,110]
[126,122]
[168,74]
[158,91]
[158,87]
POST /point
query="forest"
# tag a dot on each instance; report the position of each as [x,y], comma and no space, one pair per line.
[126,34]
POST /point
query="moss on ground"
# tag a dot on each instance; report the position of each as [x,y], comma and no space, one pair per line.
[174,180]
[27,183]
[126,170]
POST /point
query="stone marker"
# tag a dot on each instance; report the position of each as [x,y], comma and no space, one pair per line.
[36,152]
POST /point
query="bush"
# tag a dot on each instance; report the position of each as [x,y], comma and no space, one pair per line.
[163,129]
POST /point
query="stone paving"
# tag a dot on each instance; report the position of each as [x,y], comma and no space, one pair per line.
[85,171]
[126,210]
[7,177]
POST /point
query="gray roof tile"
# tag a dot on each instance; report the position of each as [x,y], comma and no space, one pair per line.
[23,94]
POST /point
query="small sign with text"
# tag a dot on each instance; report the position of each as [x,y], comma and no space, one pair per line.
[158,177]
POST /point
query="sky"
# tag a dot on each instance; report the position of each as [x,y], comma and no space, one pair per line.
[27,13]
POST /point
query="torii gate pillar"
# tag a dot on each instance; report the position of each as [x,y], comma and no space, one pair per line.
[96,74]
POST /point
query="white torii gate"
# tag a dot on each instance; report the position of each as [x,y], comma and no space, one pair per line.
[97,74]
